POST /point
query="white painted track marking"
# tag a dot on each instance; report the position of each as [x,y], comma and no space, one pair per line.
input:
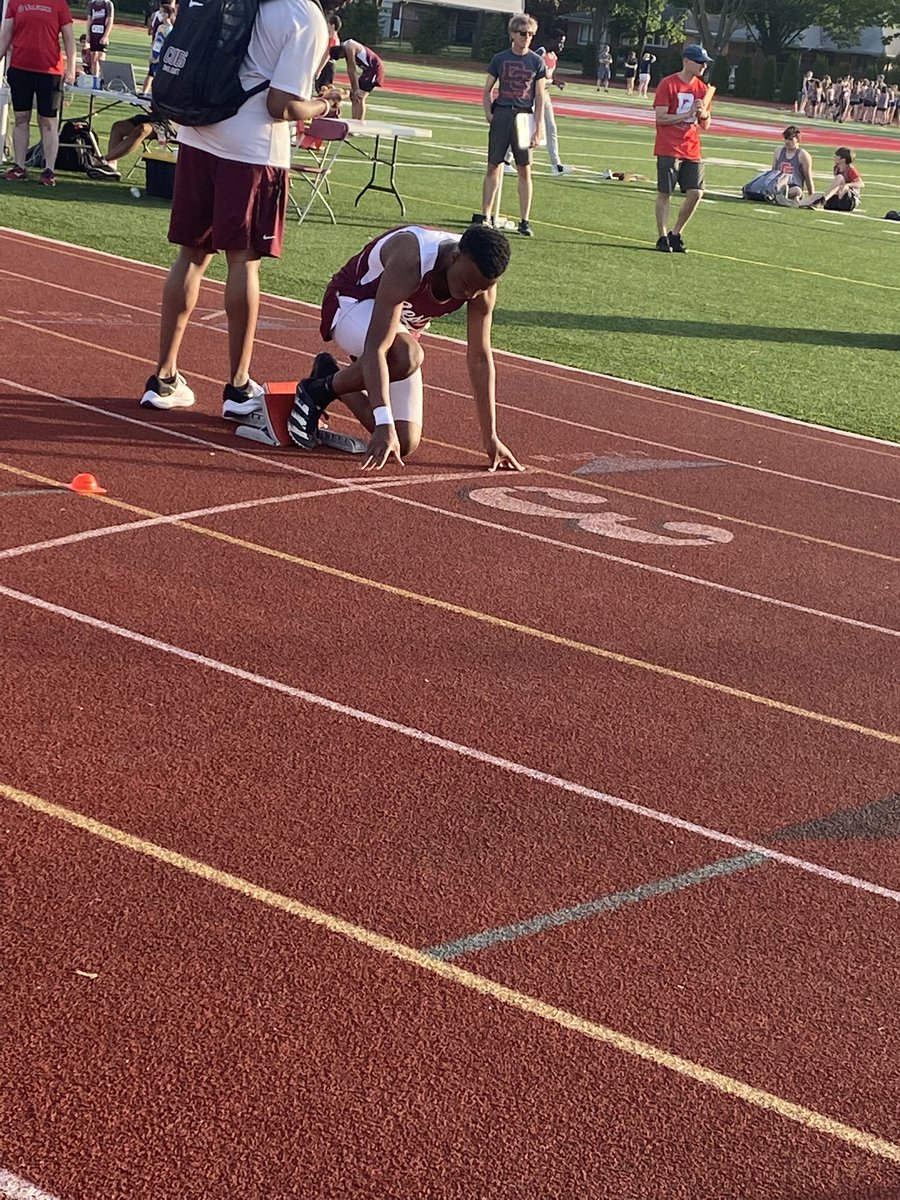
[569,547]
[463,751]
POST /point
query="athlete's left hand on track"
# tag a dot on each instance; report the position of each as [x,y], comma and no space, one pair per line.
[501,458]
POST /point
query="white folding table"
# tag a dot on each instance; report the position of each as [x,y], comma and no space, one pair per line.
[384,153]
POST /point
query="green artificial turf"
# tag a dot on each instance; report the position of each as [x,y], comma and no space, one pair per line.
[795,312]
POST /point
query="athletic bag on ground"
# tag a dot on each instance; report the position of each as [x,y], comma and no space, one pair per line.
[197,82]
[762,187]
[35,156]
[78,147]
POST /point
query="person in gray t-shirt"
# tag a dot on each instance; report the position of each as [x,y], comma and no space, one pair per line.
[515,115]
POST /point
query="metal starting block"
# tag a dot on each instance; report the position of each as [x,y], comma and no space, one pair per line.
[268,426]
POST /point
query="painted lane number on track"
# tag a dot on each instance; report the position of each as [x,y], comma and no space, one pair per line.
[525,500]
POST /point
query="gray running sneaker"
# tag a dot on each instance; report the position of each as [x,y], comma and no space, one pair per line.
[167,393]
[239,402]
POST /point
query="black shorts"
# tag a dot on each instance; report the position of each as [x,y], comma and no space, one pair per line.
[162,130]
[687,173]
[26,86]
[846,203]
[502,137]
[326,78]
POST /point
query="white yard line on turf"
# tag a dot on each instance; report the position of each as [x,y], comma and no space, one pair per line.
[312,310]
[353,485]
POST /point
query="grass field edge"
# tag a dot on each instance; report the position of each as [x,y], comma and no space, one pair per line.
[511,354]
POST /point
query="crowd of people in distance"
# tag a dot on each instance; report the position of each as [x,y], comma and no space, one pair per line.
[869,101]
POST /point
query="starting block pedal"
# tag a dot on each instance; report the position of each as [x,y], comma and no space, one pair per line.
[268,426]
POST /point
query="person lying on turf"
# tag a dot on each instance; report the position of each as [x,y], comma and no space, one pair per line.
[375,309]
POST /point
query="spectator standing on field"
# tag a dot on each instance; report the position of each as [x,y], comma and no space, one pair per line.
[520,78]
[163,28]
[230,195]
[100,17]
[680,115]
[325,77]
[35,74]
[604,67]
[630,67]
[647,61]
[550,54]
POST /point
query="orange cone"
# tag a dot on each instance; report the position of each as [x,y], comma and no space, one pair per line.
[86,485]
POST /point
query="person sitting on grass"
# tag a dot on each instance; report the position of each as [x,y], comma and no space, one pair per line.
[376,308]
[795,170]
[843,196]
[83,65]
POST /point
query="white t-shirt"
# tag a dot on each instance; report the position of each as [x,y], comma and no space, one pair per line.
[288,42]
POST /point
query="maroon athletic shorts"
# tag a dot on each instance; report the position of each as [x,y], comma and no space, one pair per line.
[222,205]
[372,75]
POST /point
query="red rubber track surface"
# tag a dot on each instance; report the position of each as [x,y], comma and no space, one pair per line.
[217,1044]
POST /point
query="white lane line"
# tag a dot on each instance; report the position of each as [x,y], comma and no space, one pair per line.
[360,484]
[628,437]
[728,411]
[572,547]
[353,485]
[14,1187]
[87,535]
[463,751]
[511,407]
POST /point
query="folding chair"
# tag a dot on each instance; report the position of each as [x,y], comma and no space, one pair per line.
[321,140]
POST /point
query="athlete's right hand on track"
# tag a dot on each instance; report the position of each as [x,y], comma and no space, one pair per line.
[382,444]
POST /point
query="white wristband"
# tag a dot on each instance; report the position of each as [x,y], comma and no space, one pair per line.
[383,415]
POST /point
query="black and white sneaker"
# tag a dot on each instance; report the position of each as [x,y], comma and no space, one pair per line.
[663,245]
[676,244]
[324,366]
[525,229]
[303,422]
[100,169]
[239,402]
[167,393]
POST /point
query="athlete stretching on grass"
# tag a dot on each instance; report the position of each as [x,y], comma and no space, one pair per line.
[375,309]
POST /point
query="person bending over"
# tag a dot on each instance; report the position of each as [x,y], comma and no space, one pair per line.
[365,71]
[375,309]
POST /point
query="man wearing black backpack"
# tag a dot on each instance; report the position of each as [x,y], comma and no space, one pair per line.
[231,179]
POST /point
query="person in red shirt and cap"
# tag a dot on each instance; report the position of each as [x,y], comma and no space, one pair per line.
[681,113]
[35,73]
